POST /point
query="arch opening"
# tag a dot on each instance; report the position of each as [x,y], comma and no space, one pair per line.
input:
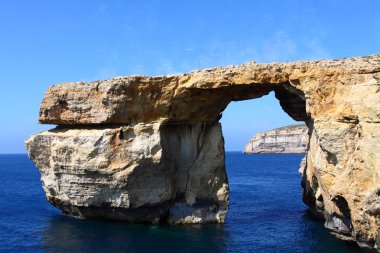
[263,186]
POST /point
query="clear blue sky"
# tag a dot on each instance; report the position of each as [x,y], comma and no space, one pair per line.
[48,42]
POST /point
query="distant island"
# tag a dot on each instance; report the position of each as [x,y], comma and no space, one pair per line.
[284,140]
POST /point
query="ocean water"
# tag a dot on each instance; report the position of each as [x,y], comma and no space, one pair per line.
[266,215]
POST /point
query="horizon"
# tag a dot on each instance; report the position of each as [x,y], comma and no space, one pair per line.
[53,42]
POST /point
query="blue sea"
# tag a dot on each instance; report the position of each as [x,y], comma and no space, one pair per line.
[266,215]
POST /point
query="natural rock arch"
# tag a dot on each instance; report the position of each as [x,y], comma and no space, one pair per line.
[150,149]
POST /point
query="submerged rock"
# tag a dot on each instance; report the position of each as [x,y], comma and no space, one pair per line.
[150,149]
[284,140]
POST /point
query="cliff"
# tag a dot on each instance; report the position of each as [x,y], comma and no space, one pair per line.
[151,150]
[286,140]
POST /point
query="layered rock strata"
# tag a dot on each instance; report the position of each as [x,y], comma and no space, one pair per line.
[150,149]
[284,140]
[148,173]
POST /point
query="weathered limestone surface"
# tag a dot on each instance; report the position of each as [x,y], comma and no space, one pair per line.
[284,140]
[149,149]
[141,173]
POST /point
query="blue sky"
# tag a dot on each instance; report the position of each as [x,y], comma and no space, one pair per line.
[48,42]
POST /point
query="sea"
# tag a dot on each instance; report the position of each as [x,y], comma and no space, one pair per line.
[266,214]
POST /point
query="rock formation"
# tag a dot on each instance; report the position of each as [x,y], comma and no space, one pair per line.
[284,140]
[150,149]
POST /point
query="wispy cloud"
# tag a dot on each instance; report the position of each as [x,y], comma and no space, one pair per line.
[103,10]
[317,50]
[278,48]
[105,73]
[164,66]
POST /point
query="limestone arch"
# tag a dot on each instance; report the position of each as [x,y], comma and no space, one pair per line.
[115,136]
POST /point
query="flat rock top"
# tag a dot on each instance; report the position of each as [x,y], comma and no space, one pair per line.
[198,96]
[289,128]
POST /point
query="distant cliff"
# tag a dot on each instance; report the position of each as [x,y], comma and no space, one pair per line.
[288,139]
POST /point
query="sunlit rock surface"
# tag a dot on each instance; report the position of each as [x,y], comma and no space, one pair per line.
[284,140]
[149,149]
[142,173]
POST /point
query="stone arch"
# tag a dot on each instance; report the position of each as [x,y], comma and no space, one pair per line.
[172,168]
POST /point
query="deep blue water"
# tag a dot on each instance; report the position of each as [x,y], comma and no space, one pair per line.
[266,215]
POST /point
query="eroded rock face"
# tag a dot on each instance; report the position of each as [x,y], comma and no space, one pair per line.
[142,173]
[285,140]
[150,148]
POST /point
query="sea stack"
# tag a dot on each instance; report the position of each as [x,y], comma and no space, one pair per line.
[150,149]
[291,139]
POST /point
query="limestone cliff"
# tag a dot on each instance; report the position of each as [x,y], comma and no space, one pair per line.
[287,140]
[150,149]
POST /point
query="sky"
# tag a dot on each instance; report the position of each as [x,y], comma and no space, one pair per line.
[47,42]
